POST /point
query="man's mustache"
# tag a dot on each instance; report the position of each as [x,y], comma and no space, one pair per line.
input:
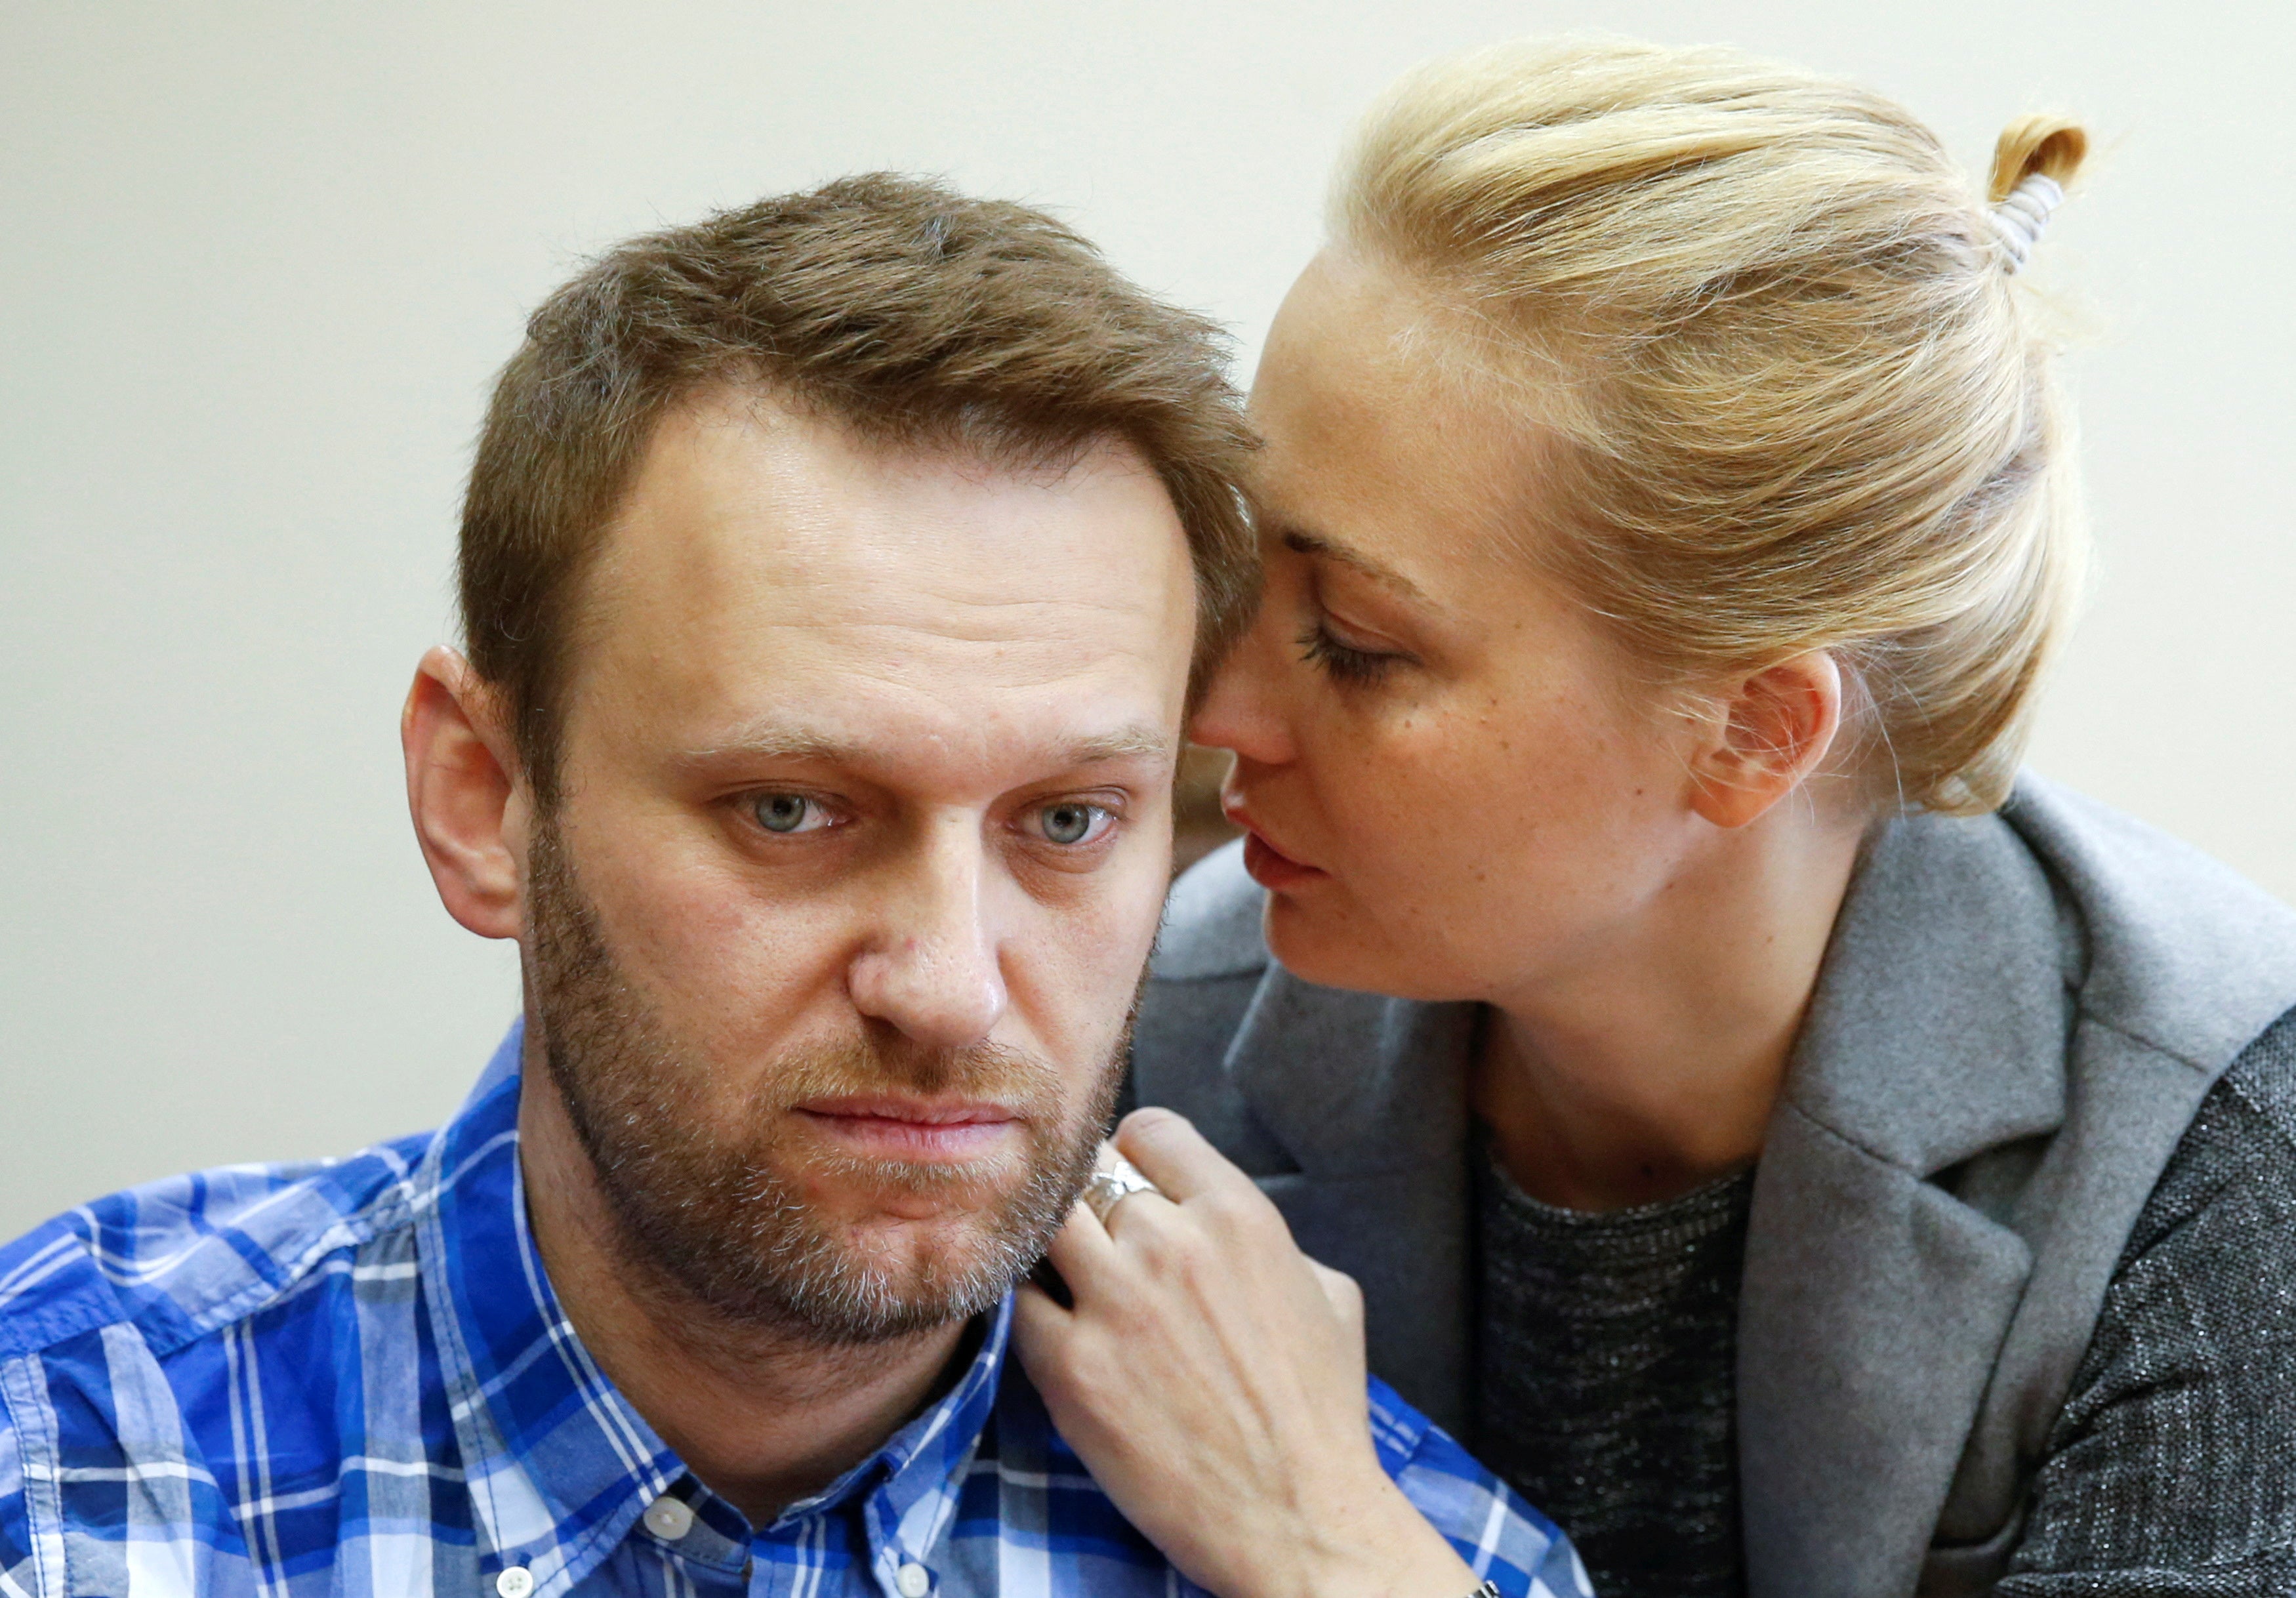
[991,1072]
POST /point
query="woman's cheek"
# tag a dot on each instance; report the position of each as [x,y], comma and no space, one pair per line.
[1412,861]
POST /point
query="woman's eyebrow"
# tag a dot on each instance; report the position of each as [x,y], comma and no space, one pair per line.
[1319,547]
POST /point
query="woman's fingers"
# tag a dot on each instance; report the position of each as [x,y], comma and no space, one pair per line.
[1081,1250]
[1212,1378]
[1174,1156]
[1039,1323]
[1085,1252]
[1344,1296]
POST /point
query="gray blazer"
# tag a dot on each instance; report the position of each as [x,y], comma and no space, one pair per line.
[2016,1018]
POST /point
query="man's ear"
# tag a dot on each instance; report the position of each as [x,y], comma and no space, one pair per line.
[469,806]
[1771,734]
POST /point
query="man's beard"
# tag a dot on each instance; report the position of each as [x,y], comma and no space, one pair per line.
[709,1202]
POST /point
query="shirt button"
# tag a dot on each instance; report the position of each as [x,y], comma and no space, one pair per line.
[669,1518]
[516,1582]
[914,1581]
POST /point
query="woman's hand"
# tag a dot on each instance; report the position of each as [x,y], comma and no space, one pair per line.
[1211,1377]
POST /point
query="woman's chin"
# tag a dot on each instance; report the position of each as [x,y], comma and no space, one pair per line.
[1317,946]
[1319,941]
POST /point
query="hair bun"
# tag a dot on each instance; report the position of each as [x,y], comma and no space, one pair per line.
[2051,146]
[2033,161]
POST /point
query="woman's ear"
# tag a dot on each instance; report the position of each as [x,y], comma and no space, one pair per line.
[1771,734]
[468,802]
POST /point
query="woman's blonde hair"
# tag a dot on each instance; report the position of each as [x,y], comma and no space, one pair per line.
[1775,325]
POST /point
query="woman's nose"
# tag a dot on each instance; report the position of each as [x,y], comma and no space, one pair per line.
[931,966]
[1244,709]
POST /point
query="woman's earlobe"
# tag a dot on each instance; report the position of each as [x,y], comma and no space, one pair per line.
[1772,734]
[462,792]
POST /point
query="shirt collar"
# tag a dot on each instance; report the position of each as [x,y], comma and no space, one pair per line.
[559,1467]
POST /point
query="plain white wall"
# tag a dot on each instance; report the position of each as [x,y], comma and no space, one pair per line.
[258,262]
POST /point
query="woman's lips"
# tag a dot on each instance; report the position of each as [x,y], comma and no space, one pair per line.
[1271,867]
[912,1129]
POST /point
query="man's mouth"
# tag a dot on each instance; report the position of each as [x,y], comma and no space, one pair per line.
[896,1126]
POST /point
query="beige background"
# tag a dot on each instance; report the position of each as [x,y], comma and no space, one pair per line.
[257,261]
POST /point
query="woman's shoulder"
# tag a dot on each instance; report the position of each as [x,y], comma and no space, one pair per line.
[2237,1158]
[2134,881]
[2179,1420]
[2181,950]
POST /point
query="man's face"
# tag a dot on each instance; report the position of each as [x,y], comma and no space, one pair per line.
[833,935]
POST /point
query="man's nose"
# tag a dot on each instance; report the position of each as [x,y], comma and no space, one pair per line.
[929,965]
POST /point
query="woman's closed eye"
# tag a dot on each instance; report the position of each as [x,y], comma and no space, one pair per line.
[1343,661]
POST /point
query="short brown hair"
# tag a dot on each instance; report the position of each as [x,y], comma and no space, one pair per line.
[913,314]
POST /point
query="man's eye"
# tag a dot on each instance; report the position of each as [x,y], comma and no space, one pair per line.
[1073,822]
[788,812]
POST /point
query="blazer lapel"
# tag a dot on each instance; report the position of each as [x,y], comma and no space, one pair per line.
[1873,1306]
[1875,1302]
[1368,1095]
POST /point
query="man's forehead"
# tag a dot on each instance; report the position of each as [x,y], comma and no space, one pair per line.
[743,497]
[765,557]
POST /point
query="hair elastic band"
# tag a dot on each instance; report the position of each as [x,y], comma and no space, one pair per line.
[2023,213]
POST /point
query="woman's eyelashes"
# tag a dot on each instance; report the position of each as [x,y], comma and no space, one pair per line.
[1342,662]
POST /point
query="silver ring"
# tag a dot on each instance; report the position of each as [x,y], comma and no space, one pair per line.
[1116,1180]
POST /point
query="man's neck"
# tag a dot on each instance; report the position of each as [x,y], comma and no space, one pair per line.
[763,1416]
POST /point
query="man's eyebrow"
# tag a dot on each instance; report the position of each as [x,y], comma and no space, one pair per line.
[1300,541]
[781,740]
[774,741]
[1138,742]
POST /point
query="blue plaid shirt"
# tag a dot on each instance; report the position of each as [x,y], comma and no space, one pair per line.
[353,1379]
